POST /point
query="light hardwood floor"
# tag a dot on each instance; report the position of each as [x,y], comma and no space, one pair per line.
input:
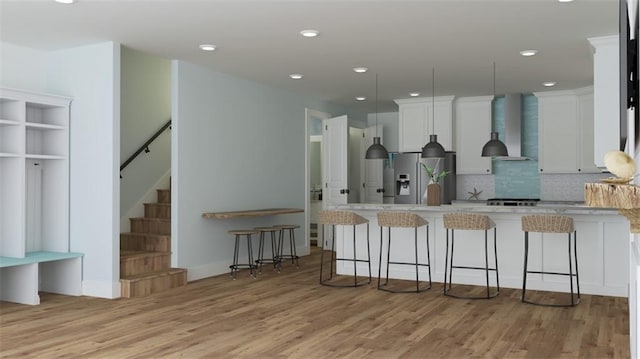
[288,315]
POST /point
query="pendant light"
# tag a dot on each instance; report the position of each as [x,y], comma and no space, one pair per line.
[495,147]
[433,149]
[376,151]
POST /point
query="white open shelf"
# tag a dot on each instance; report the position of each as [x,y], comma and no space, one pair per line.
[34,193]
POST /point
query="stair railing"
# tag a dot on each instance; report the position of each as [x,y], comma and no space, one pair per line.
[145,146]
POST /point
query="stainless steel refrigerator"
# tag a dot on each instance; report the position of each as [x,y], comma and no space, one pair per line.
[410,179]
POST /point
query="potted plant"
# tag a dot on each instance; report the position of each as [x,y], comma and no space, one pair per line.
[432,192]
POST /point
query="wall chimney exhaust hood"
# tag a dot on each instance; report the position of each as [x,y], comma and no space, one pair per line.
[513,128]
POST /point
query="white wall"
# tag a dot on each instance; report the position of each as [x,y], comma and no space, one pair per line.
[90,75]
[236,145]
[23,68]
[145,108]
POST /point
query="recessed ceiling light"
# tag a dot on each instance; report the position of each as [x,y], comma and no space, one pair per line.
[296,76]
[309,33]
[360,70]
[66,1]
[207,47]
[528,53]
[414,94]
[360,98]
[548,84]
[565,0]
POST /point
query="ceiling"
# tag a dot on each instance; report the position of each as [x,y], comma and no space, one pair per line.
[400,40]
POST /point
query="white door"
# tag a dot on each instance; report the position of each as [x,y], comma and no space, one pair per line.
[335,156]
[372,178]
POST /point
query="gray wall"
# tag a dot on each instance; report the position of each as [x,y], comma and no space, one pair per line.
[237,145]
[390,134]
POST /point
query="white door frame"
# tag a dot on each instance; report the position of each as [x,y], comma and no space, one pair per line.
[309,115]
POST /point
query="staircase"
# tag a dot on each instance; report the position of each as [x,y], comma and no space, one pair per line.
[145,252]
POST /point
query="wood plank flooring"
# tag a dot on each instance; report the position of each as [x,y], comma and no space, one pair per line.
[288,315]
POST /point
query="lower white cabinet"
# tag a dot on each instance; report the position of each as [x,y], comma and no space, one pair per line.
[565,131]
[473,127]
[34,193]
[422,116]
[602,240]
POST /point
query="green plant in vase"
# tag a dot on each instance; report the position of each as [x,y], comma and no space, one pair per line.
[432,192]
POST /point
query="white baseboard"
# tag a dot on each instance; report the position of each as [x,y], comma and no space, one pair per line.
[207,270]
[149,197]
[100,289]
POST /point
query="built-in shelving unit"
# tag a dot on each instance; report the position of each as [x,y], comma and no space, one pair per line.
[34,192]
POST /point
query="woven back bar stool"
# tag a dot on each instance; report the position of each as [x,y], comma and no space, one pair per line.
[275,260]
[551,224]
[293,255]
[403,220]
[343,218]
[474,222]
[237,233]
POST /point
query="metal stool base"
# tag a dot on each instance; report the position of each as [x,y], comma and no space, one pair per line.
[574,301]
[274,252]
[325,281]
[449,268]
[416,264]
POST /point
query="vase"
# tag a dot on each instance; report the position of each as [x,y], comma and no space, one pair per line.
[433,194]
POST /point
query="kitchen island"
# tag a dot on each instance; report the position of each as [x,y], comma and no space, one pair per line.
[603,246]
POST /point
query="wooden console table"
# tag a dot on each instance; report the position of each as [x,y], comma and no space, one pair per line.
[251,213]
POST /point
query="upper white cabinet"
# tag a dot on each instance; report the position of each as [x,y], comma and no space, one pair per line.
[416,122]
[473,125]
[565,131]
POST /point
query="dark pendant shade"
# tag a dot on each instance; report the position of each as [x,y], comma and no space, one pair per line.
[433,149]
[376,151]
[494,148]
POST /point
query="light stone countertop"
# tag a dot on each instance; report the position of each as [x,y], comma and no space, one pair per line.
[568,209]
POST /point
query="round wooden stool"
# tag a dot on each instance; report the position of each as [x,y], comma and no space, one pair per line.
[477,222]
[251,265]
[551,224]
[403,220]
[343,218]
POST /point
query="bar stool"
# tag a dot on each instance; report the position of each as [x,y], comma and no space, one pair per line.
[293,255]
[274,252]
[403,220]
[236,266]
[550,224]
[343,218]
[470,221]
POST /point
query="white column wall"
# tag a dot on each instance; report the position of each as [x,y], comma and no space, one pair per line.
[90,75]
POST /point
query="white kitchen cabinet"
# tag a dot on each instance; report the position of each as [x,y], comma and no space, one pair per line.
[416,121]
[565,131]
[34,192]
[473,125]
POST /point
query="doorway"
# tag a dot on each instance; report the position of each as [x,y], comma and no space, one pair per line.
[313,175]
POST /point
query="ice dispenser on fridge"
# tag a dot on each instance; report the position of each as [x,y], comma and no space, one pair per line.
[403,184]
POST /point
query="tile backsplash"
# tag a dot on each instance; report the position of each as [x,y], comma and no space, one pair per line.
[521,179]
[518,179]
